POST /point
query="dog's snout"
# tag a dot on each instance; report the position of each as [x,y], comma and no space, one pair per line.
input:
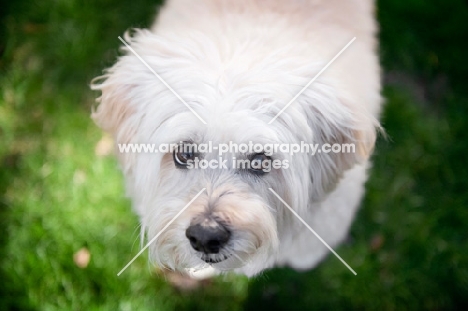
[208,239]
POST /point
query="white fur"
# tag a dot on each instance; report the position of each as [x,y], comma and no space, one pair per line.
[237,63]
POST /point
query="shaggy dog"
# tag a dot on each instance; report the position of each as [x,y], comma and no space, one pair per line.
[235,66]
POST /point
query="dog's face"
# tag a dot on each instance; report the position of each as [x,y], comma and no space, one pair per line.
[236,223]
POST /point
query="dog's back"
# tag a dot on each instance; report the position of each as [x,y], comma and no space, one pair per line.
[314,29]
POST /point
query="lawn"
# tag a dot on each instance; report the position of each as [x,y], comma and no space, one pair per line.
[59,192]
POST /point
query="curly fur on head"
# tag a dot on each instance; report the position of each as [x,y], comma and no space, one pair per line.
[237,64]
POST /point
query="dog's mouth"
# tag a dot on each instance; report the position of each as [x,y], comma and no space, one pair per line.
[213,260]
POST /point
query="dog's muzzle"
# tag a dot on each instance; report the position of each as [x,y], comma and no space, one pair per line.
[208,237]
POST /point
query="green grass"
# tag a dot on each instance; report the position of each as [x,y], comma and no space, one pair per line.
[408,244]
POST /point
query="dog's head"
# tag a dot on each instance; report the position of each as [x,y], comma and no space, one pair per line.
[237,222]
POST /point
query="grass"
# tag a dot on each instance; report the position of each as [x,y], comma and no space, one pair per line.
[408,244]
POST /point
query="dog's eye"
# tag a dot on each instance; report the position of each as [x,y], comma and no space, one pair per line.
[182,158]
[260,164]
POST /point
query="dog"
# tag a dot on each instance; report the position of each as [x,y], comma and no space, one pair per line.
[221,72]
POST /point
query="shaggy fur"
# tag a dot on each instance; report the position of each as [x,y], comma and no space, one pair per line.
[237,64]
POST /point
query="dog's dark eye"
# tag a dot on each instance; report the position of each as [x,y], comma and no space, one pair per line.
[260,164]
[182,158]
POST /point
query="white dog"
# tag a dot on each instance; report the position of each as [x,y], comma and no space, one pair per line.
[236,64]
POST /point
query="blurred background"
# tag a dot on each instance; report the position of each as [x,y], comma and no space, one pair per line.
[66,229]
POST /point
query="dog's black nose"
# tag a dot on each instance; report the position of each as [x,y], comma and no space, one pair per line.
[207,239]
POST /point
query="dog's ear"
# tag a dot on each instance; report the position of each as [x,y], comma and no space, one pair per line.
[354,145]
[116,115]
[114,109]
[335,120]
[348,129]
[364,140]
[339,120]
